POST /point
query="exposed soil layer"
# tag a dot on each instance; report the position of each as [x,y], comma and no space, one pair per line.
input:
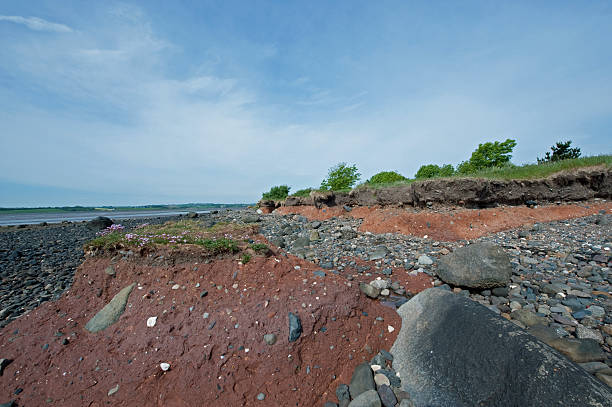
[451,224]
[218,360]
[574,185]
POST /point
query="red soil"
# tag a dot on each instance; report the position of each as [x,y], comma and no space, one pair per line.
[451,224]
[128,353]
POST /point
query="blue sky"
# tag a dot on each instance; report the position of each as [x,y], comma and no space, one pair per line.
[169,102]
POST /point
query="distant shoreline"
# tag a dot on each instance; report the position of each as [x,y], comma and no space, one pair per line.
[111,209]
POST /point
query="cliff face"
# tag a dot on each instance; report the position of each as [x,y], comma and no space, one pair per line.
[576,185]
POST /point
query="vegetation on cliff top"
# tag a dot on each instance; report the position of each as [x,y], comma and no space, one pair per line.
[489,160]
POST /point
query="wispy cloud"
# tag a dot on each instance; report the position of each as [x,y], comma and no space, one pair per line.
[37,24]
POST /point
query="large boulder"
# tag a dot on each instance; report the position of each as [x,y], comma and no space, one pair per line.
[452,351]
[480,265]
[99,223]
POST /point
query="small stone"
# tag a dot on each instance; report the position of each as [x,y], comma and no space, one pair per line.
[261,396]
[295,327]
[387,396]
[151,321]
[164,366]
[113,390]
[585,333]
[176,286]
[425,260]
[369,290]
[390,328]
[270,339]
[203,294]
[110,270]
[385,292]
[381,379]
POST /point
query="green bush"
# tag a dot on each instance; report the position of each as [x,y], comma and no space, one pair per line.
[433,170]
[340,177]
[488,155]
[302,192]
[386,177]
[277,193]
[562,151]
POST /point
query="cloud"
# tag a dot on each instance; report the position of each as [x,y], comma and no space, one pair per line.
[37,24]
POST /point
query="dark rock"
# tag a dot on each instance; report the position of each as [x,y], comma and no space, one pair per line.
[368,398]
[467,355]
[330,404]
[295,327]
[4,363]
[99,223]
[342,392]
[579,350]
[479,265]
[362,380]
[387,397]
[192,215]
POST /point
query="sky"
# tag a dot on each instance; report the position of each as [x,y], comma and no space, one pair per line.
[130,103]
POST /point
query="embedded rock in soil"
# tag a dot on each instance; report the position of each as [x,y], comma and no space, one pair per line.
[111,312]
[480,265]
[454,351]
[295,327]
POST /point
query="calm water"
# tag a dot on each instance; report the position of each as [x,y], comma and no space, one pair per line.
[33,218]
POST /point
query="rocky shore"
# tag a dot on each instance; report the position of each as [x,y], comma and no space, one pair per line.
[343,283]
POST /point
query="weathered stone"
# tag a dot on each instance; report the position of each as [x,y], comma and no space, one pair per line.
[111,311]
[366,399]
[369,290]
[467,355]
[528,318]
[479,265]
[362,380]
[295,327]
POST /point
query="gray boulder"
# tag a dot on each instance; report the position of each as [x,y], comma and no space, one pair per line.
[480,265]
[111,311]
[362,380]
[452,351]
[366,399]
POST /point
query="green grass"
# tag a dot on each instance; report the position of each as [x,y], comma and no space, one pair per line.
[527,171]
[531,171]
[218,239]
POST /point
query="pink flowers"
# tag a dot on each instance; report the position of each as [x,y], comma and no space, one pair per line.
[112,228]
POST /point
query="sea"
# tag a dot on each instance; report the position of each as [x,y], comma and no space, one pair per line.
[7,219]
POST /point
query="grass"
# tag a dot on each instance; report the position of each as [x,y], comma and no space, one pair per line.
[222,238]
[526,171]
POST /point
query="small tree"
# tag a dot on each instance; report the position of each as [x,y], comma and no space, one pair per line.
[433,170]
[340,176]
[488,155]
[277,193]
[562,151]
[386,177]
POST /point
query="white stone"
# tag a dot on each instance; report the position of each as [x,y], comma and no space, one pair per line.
[390,328]
[385,292]
[176,287]
[259,211]
[164,366]
[381,379]
[375,368]
[151,322]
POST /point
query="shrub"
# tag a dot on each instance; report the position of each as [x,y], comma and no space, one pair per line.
[488,155]
[561,151]
[433,170]
[302,192]
[340,176]
[386,177]
[277,193]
